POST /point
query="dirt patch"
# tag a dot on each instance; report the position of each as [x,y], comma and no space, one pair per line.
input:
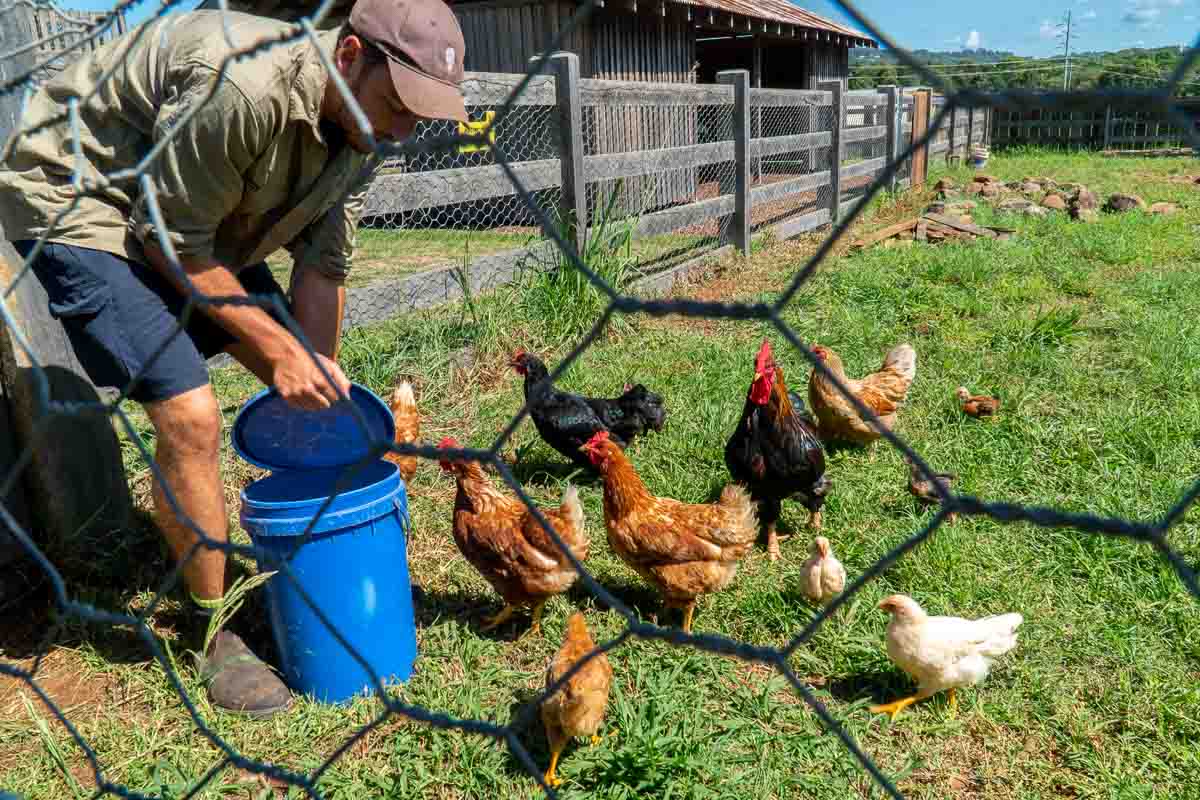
[71,686]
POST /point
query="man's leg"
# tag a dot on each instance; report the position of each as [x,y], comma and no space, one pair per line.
[188,430]
[118,316]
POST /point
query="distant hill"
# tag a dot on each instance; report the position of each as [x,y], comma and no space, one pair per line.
[1132,67]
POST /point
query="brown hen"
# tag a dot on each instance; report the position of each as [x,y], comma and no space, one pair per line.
[682,549]
[577,708]
[977,405]
[408,428]
[883,392]
[499,536]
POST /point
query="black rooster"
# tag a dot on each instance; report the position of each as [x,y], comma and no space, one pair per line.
[566,421]
[775,452]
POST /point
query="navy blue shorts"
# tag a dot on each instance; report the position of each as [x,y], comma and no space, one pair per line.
[118,314]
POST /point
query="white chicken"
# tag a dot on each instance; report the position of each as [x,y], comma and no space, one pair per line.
[942,653]
[822,577]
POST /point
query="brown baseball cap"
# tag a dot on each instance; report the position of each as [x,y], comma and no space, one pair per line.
[424,47]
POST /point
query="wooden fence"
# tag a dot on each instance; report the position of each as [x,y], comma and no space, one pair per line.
[1104,126]
[754,162]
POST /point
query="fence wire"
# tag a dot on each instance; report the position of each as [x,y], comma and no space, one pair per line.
[437,145]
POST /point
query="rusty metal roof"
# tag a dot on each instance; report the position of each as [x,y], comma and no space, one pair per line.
[783,12]
[777,11]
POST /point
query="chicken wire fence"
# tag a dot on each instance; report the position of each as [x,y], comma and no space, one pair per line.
[799,153]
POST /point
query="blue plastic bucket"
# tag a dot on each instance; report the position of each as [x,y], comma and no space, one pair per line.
[354,563]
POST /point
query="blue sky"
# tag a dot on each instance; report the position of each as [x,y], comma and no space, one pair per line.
[1025,27]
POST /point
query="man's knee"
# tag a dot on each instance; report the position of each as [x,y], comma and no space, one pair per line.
[189,423]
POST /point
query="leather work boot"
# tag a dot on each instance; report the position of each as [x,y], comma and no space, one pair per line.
[238,681]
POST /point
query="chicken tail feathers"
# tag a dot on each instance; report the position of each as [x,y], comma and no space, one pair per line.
[402,399]
[571,507]
[902,359]
[1003,634]
[743,511]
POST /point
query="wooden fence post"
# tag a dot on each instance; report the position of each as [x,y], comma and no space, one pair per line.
[950,154]
[837,148]
[569,119]
[970,130]
[738,231]
[892,122]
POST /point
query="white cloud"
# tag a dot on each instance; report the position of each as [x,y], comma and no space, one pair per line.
[1141,15]
[1090,14]
[974,40]
[1048,30]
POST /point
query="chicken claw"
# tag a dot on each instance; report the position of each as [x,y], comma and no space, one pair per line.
[772,543]
[892,709]
[814,520]
[551,779]
[536,627]
[500,618]
[688,611]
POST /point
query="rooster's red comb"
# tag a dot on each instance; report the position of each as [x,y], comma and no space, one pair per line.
[447,442]
[764,356]
[598,437]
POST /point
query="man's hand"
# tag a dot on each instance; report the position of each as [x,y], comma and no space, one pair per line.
[300,383]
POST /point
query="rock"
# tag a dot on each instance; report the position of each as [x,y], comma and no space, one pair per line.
[960,209]
[984,179]
[945,185]
[1119,203]
[1031,188]
[1085,198]
[976,188]
[1070,189]
[935,208]
[1197,180]
[1084,214]
[991,190]
[1164,208]
[1036,211]
[949,194]
[1054,201]
[1015,204]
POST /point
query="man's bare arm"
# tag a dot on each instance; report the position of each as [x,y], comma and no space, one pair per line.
[292,371]
[319,304]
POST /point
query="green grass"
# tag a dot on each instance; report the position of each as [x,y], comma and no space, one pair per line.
[1088,333]
[383,254]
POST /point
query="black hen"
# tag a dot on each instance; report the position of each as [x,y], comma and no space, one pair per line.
[775,452]
[566,421]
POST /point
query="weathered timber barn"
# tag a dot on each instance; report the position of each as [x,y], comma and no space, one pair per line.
[660,41]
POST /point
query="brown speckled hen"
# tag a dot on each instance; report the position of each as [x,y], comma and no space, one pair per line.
[682,549]
[577,708]
[500,537]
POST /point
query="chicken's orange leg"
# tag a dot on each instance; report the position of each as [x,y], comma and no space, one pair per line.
[772,543]
[504,615]
[892,709]
[814,520]
[688,611]
[953,701]
[550,778]
[536,627]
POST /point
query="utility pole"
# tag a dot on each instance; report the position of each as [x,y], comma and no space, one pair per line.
[1067,61]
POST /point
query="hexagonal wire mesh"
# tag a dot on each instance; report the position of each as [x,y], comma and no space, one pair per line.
[792,148]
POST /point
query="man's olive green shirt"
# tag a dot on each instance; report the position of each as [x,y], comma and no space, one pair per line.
[248,173]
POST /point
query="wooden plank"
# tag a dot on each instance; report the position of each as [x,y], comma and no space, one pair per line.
[494,88]
[593,92]
[616,165]
[775,145]
[573,203]
[957,224]
[673,219]
[866,97]
[885,233]
[409,191]
[781,189]
[920,123]
[863,134]
[802,224]
[789,97]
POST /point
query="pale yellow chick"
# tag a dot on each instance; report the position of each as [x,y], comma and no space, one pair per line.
[822,577]
[942,653]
